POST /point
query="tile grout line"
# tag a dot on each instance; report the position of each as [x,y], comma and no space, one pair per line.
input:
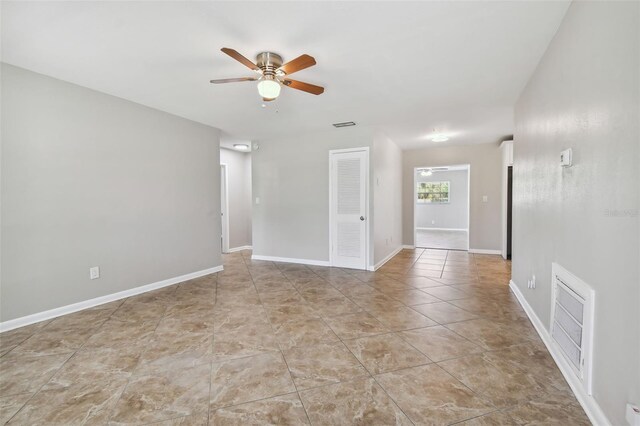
[131,375]
[372,376]
[95,330]
[72,354]
[295,386]
[358,360]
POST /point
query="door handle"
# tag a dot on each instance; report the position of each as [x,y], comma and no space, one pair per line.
[361,217]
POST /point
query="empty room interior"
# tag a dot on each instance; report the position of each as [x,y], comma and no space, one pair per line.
[326,213]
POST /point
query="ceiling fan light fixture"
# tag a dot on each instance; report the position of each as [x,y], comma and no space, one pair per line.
[269,89]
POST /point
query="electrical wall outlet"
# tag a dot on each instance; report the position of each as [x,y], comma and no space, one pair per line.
[94,272]
[566,158]
[532,282]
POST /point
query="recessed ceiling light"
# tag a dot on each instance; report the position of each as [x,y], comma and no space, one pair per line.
[241,146]
[439,138]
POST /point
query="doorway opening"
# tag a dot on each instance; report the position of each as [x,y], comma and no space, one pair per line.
[235,199]
[441,207]
[507,198]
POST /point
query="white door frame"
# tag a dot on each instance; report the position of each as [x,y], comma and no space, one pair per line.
[367,265]
[507,160]
[224,208]
[415,205]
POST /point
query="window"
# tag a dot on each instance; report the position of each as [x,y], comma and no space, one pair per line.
[433,192]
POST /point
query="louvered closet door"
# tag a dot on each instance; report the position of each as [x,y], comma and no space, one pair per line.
[349,172]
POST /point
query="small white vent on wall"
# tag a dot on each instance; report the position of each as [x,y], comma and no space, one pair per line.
[572,310]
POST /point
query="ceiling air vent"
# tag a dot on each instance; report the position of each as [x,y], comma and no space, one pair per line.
[345,124]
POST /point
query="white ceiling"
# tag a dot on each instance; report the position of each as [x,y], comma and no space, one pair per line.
[404,68]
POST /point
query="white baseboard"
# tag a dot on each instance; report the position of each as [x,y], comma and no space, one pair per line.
[75,307]
[235,249]
[442,229]
[588,403]
[386,259]
[291,260]
[483,251]
[408,247]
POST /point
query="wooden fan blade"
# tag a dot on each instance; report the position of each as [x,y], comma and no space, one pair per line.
[238,57]
[297,64]
[305,87]
[232,80]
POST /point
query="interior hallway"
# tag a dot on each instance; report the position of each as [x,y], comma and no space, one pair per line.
[432,337]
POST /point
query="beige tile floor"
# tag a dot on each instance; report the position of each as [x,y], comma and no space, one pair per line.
[433,337]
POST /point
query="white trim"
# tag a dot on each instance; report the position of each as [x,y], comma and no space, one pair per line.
[367,215]
[409,247]
[442,229]
[75,307]
[484,251]
[506,148]
[588,403]
[291,260]
[233,250]
[224,220]
[345,150]
[386,259]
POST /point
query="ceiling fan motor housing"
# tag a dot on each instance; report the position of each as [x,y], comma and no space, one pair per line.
[269,62]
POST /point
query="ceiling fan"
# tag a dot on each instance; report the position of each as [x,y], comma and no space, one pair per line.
[272,73]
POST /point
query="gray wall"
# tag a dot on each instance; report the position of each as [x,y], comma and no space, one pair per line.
[485,160]
[585,95]
[291,178]
[451,215]
[387,197]
[93,180]
[239,188]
